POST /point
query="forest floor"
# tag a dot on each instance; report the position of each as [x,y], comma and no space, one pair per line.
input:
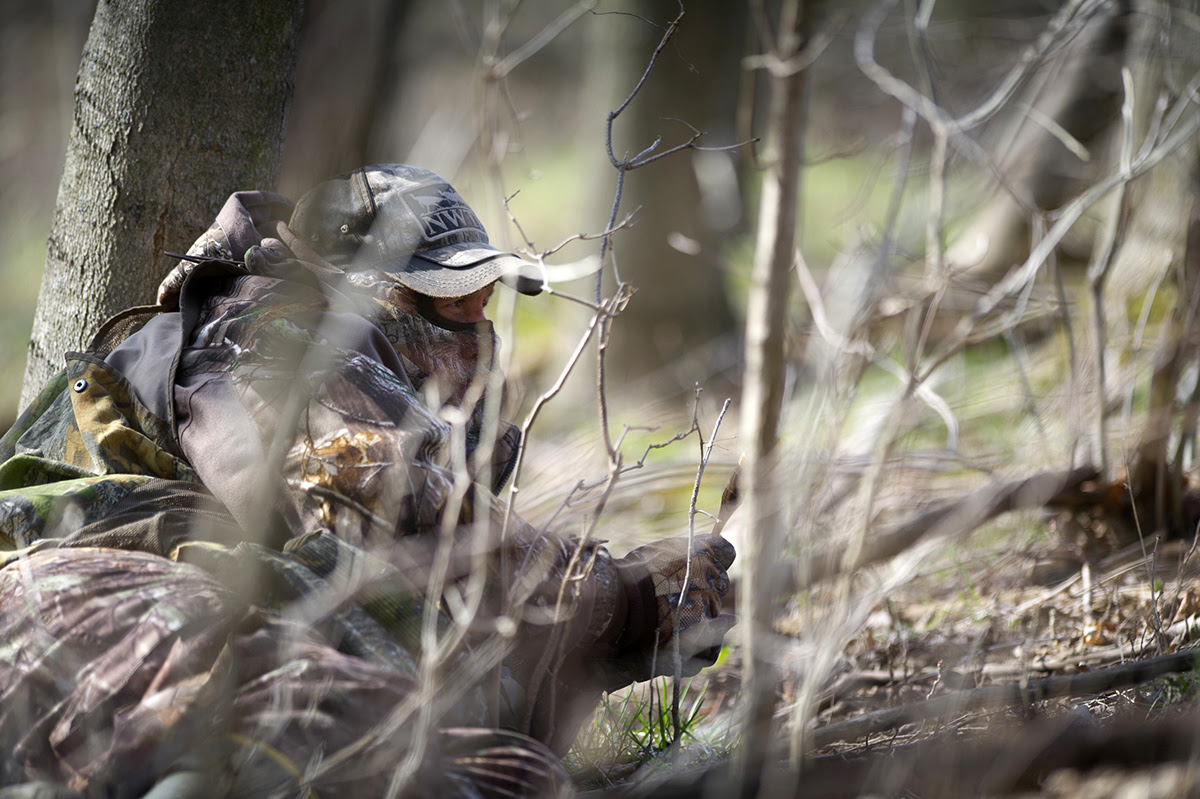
[1046,652]
[915,703]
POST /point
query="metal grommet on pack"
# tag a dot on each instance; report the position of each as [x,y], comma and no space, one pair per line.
[80,385]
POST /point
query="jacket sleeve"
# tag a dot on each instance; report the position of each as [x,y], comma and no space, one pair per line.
[362,456]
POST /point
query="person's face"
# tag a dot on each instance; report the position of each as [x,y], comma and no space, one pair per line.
[468,309]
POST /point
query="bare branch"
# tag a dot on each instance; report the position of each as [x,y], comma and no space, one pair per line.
[1067,217]
[1012,695]
[953,519]
[706,453]
[1097,272]
[504,66]
[612,115]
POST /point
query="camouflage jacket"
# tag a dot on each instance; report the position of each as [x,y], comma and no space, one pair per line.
[196,389]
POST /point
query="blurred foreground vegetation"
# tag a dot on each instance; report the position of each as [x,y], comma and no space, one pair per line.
[881,423]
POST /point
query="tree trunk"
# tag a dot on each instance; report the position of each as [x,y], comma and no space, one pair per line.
[687,205]
[176,106]
[335,123]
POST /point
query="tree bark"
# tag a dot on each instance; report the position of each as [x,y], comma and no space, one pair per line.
[176,106]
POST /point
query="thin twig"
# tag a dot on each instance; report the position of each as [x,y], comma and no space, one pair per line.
[501,69]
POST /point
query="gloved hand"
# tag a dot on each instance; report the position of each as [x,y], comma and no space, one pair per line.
[652,579]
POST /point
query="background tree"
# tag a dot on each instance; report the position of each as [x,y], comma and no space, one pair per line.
[176,106]
[679,328]
[336,124]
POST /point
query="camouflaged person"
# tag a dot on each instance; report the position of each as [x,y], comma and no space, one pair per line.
[219,526]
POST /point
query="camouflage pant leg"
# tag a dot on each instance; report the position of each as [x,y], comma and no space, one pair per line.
[85,634]
[120,669]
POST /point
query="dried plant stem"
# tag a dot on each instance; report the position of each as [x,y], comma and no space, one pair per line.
[762,393]
[706,453]
[1097,272]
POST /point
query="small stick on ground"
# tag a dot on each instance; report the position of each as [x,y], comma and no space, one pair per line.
[1010,695]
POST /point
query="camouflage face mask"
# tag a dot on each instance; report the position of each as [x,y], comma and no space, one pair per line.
[442,359]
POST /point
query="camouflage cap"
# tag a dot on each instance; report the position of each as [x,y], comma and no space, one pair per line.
[411,223]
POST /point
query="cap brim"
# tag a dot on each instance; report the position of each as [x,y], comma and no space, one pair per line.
[459,270]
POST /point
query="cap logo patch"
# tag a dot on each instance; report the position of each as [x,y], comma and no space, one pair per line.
[444,216]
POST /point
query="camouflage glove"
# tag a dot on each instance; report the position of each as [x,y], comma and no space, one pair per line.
[652,579]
